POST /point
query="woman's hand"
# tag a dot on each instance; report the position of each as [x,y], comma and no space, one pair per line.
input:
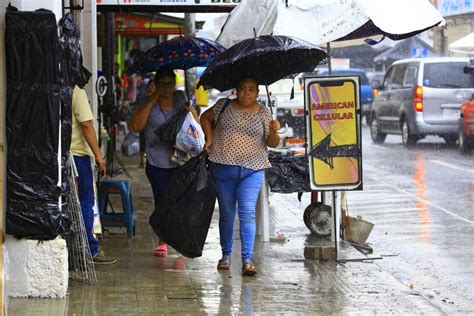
[208,147]
[155,95]
[274,125]
[273,138]
[192,110]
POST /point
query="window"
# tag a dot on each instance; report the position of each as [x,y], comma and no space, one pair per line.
[410,76]
[398,75]
[447,75]
[387,82]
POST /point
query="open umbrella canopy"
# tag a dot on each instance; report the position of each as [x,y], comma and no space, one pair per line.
[323,21]
[464,45]
[177,53]
[267,58]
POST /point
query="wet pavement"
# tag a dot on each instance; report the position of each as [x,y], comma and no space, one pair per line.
[420,200]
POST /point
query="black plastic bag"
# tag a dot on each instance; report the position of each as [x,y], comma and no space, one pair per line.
[131,144]
[183,216]
[288,174]
[168,131]
[34,89]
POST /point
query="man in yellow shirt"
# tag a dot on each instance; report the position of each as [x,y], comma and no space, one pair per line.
[84,145]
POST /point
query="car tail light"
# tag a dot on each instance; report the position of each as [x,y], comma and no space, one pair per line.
[376,92]
[297,112]
[418,100]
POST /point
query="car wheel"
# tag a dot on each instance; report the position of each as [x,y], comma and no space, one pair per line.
[465,143]
[408,139]
[368,119]
[377,136]
[450,140]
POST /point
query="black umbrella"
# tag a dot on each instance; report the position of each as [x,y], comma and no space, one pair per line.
[267,58]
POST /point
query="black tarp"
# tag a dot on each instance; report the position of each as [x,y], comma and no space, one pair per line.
[72,73]
[32,121]
[288,174]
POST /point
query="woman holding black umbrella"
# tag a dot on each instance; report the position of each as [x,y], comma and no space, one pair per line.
[237,135]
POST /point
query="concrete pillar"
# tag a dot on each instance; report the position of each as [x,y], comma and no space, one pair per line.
[33,268]
[36,269]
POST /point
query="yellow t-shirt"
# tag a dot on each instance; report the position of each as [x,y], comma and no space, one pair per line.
[81,112]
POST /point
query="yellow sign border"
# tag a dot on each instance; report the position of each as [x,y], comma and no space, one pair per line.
[335,186]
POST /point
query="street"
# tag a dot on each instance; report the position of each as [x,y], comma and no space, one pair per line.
[421,202]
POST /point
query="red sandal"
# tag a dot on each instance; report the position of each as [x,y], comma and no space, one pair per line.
[161,250]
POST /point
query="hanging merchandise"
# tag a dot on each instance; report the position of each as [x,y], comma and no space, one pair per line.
[72,73]
[32,124]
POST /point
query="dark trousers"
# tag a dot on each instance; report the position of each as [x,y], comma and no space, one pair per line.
[159,179]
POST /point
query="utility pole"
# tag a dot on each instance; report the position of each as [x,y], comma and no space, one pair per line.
[190,30]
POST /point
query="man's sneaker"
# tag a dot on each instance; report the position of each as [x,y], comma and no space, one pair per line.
[101,258]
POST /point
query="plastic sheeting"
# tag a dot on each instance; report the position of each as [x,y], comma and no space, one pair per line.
[39,99]
[168,131]
[288,174]
[131,144]
[183,216]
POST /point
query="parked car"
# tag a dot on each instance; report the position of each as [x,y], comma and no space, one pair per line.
[420,97]
[366,90]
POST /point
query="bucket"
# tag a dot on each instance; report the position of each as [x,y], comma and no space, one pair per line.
[358,230]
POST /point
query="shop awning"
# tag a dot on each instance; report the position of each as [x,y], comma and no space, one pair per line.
[149,24]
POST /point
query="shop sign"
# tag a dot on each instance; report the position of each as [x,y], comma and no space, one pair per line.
[231,3]
[334,133]
[454,7]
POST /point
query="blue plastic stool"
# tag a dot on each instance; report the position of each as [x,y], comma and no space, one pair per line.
[127,218]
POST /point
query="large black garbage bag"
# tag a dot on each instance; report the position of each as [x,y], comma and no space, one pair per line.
[32,124]
[168,131]
[183,216]
[288,174]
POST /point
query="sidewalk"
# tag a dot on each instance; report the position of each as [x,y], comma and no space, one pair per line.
[286,283]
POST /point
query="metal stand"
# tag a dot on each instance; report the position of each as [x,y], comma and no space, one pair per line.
[263,214]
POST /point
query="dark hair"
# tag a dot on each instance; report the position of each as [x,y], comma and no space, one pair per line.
[164,72]
[246,77]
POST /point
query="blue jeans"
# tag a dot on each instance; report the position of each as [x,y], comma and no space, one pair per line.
[237,188]
[85,186]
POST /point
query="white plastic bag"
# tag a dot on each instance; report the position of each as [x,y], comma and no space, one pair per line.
[190,138]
